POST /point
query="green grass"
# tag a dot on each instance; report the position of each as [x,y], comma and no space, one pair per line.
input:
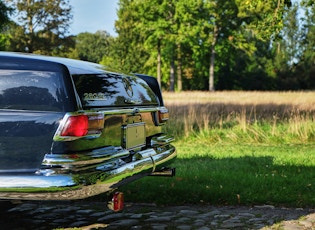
[233,174]
[237,148]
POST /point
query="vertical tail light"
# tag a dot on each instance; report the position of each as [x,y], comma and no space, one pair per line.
[82,125]
[162,116]
[117,202]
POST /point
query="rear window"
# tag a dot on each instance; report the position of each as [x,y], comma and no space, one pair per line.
[32,90]
[99,90]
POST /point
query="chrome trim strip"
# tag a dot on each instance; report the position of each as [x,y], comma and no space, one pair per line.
[94,157]
[73,186]
[130,111]
[161,140]
[144,154]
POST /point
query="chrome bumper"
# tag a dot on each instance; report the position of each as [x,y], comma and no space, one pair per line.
[69,177]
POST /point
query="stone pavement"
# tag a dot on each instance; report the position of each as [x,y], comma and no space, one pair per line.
[95,215]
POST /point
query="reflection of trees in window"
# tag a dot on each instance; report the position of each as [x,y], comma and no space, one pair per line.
[29,97]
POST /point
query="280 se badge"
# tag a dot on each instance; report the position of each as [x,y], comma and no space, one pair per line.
[94,96]
[71,129]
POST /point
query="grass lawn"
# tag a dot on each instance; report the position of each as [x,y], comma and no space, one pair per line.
[233,174]
[237,148]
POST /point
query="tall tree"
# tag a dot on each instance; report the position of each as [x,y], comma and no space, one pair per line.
[233,21]
[42,25]
[223,21]
[305,68]
[199,39]
[190,21]
[286,50]
[208,23]
[158,26]
[291,34]
[127,51]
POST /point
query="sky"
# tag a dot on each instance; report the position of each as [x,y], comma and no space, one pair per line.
[93,15]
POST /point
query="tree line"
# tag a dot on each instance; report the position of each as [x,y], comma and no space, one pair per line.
[187,44]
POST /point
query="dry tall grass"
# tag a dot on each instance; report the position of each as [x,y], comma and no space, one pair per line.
[193,112]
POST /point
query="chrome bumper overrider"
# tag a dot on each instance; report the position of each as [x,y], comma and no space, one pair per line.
[68,177]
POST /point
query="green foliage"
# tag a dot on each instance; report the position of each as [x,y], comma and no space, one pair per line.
[4,14]
[4,41]
[186,44]
[92,47]
[5,11]
[264,19]
[185,34]
[41,26]
[127,52]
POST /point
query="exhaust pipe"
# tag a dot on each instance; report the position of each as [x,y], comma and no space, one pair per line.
[166,172]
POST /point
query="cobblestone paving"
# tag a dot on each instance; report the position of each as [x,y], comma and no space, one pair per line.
[95,215]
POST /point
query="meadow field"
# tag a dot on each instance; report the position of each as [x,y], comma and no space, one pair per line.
[278,114]
[237,148]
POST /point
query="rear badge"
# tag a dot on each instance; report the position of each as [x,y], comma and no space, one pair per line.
[94,97]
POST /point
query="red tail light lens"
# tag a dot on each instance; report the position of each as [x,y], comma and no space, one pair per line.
[76,126]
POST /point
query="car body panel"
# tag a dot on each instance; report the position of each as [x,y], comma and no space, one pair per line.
[25,136]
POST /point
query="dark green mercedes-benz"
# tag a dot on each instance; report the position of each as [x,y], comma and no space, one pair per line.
[71,129]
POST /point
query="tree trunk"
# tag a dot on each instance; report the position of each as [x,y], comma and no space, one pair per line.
[30,48]
[211,69]
[172,76]
[179,69]
[212,59]
[159,62]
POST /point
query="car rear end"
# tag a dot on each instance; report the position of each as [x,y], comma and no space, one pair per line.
[106,131]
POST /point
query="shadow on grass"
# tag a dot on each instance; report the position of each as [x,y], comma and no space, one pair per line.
[229,181]
[243,183]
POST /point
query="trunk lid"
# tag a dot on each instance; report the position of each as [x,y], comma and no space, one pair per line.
[113,90]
